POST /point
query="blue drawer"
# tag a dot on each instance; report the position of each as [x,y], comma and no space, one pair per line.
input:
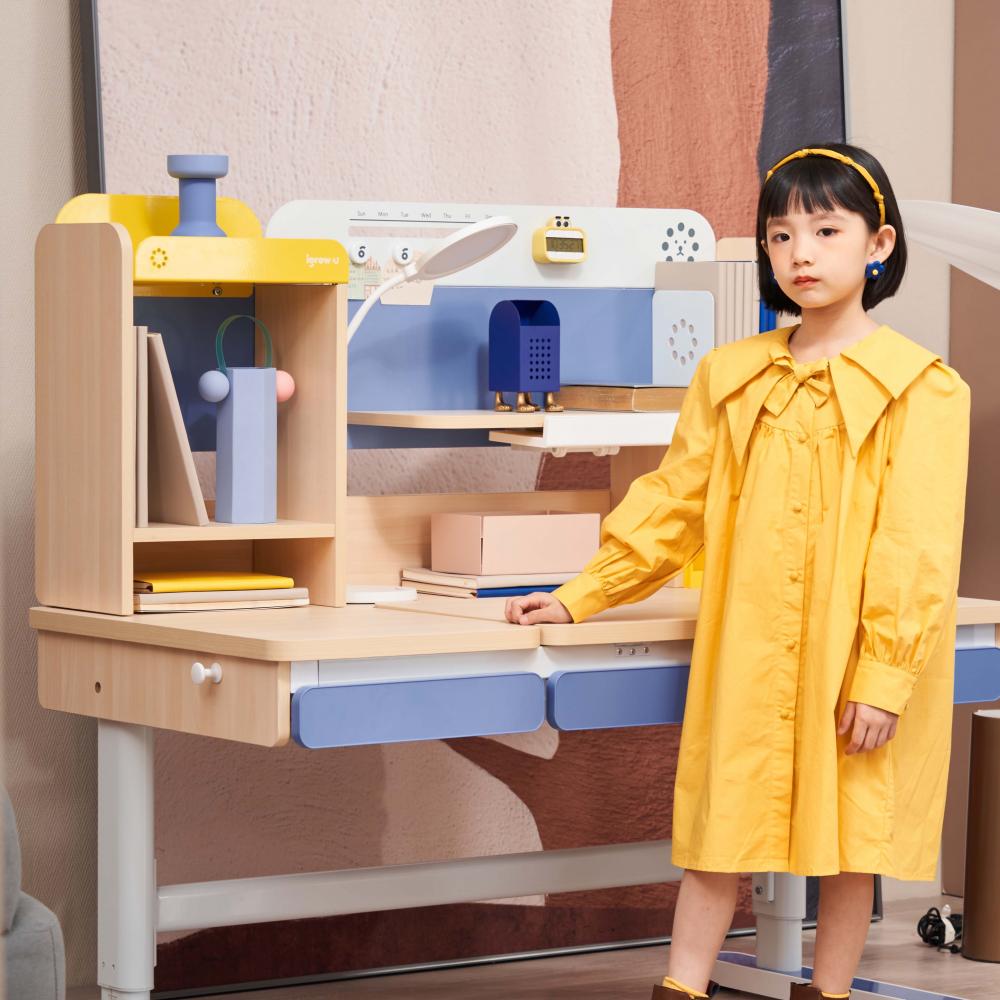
[977,675]
[346,715]
[627,696]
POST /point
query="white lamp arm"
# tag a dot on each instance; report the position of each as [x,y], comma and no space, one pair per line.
[967,237]
[396,279]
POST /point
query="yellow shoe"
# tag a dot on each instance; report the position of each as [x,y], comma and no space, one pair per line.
[668,993]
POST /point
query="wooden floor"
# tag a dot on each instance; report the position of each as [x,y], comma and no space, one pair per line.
[894,953]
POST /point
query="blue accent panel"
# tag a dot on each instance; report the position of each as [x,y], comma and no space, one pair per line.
[626,696]
[188,327]
[437,356]
[893,990]
[345,715]
[977,675]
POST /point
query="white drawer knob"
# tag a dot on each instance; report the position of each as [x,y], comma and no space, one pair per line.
[200,673]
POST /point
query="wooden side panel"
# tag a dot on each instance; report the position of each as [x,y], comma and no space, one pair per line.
[84,417]
[308,561]
[629,464]
[391,533]
[309,327]
[152,686]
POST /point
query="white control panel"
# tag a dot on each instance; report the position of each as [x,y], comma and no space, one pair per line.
[623,244]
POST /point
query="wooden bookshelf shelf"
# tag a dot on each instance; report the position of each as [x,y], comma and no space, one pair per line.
[215,531]
[450,420]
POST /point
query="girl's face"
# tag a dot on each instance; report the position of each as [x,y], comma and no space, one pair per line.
[819,258]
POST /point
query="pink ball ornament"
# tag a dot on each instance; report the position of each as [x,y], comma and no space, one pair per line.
[285,385]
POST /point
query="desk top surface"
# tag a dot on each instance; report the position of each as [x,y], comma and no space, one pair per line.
[427,625]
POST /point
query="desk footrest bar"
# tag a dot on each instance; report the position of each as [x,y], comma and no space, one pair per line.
[737,971]
[198,905]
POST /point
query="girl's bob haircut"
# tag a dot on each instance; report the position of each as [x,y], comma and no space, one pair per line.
[821,183]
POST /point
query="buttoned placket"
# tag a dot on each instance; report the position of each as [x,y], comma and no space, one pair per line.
[796,530]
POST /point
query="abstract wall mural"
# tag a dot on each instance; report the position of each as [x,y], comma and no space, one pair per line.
[631,103]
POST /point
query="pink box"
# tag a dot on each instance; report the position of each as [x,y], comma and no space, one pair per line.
[506,542]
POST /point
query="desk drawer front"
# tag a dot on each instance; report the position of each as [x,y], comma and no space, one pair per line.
[356,714]
[623,696]
[153,686]
[977,675]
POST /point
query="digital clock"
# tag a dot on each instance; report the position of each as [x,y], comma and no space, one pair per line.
[559,242]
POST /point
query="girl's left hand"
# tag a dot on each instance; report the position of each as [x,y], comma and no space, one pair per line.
[873,727]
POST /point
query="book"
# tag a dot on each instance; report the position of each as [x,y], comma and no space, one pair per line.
[544,588]
[222,596]
[441,591]
[421,575]
[174,494]
[211,581]
[141,604]
[141,428]
[464,592]
[621,398]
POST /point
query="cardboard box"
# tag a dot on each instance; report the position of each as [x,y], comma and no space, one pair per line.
[513,542]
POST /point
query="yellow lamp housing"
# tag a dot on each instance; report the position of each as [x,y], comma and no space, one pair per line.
[559,242]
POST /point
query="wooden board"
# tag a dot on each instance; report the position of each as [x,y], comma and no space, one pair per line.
[391,533]
[174,492]
[671,613]
[309,327]
[150,686]
[85,421]
[313,633]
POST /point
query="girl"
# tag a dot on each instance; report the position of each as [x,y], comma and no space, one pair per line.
[822,467]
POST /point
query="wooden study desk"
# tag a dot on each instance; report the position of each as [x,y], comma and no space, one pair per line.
[435,668]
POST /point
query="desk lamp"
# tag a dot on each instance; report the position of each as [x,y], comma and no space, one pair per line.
[466,247]
[967,237]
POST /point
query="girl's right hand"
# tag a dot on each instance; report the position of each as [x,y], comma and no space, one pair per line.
[533,609]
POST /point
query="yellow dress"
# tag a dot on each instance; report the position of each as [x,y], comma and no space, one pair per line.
[829,498]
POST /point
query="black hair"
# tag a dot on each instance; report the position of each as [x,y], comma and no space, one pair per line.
[821,183]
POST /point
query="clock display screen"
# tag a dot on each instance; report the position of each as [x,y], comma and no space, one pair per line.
[564,244]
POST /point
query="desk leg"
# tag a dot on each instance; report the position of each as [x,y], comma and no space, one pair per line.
[126,877]
[779,903]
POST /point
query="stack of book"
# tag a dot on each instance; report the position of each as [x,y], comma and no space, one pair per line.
[427,581]
[214,590]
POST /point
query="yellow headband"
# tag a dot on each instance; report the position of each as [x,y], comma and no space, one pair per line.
[834,155]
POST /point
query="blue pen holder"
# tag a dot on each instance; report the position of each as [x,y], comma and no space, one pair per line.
[524,351]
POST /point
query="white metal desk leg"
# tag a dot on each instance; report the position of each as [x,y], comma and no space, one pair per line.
[126,878]
[779,902]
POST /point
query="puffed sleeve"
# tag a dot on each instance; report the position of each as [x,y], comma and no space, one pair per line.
[911,571]
[659,526]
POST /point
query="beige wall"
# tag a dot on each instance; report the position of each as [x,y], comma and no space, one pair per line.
[899,85]
[49,759]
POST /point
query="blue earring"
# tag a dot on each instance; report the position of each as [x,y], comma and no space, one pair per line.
[874,270]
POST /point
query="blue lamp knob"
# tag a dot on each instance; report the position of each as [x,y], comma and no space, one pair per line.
[197,176]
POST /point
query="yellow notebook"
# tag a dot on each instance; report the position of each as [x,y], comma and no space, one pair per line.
[175,582]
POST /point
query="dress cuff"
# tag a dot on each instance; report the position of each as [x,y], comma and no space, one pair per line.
[882,685]
[583,596]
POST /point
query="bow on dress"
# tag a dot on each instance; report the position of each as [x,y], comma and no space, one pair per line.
[814,376]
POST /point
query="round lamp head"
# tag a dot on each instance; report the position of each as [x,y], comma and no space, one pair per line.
[468,246]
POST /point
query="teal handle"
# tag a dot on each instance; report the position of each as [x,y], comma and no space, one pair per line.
[224,325]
